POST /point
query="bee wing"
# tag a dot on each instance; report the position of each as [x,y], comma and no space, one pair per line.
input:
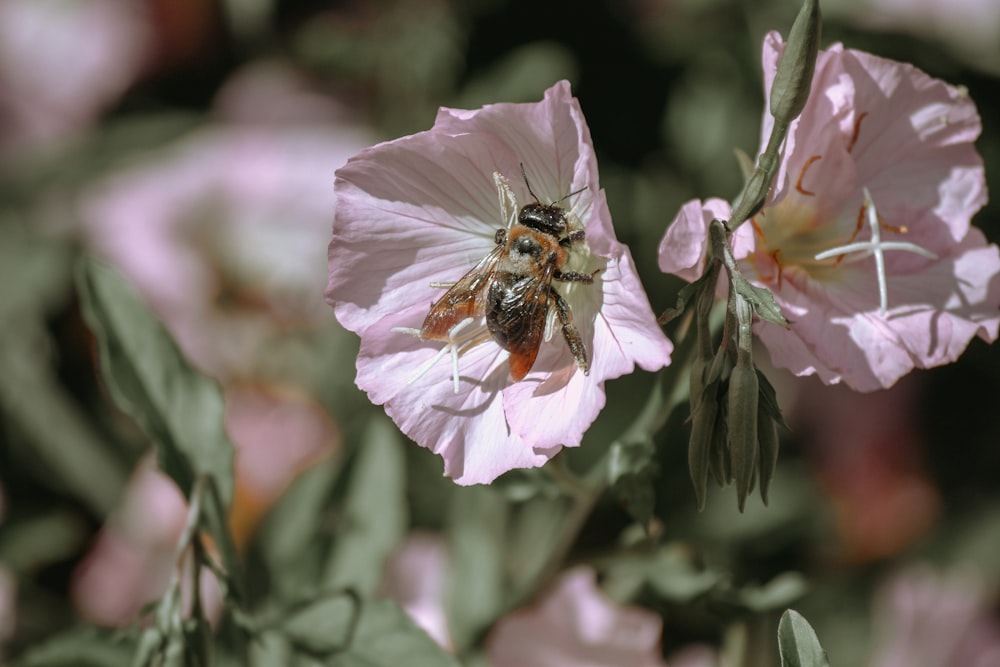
[528,307]
[464,299]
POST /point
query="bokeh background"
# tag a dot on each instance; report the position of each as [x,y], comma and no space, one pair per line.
[192,145]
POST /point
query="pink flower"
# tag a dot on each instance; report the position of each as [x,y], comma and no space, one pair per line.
[936,619]
[909,282]
[577,626]
[63,63]
[424,210]
[416,578]
[867,451]
[222,233]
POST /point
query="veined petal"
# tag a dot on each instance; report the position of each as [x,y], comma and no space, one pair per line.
[683,247]
[425,209]
[887,128]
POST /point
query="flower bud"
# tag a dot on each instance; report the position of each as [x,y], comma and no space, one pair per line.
[703,425]
[742,425]
[793,79]
[767,443]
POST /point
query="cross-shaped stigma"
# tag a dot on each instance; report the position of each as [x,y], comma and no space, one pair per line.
[854,252]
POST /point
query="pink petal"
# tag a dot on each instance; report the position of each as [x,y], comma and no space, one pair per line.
[577,626]
[682,250]
[425,209]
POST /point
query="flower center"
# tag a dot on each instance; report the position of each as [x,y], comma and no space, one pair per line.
[789,236]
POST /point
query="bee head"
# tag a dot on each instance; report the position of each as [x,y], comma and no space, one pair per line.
[545,218]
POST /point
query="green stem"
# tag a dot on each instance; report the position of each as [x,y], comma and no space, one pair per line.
[668,392]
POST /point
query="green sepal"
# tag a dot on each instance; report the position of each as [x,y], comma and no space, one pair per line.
[760,298]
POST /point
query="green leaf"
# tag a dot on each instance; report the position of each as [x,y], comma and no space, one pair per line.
[344,631]
[769,400]
[798,644]
[685,295]
[631,471]
[292,539]
[180,409]
[760,298]
[637,494]
[781,591]
[34,271]
[36,277]
[477,534]
[374,517]
[76,459]
[530,541]
[670,572]
[38,540]
[80,647]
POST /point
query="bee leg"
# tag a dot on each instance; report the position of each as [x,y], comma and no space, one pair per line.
[571,334]
[575,277]
[573,237]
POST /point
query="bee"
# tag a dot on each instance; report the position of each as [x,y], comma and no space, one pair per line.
[512,287]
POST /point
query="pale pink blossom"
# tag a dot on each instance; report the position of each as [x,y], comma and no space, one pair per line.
[223,234]
[424,210]
[577,625]
[925,617]
[867,450]
[416,578]
[63,63]
[888,128]
[277,433]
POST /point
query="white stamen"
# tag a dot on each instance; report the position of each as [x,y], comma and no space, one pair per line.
[874,246]
[456,345]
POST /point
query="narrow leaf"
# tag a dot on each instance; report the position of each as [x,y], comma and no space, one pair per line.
[81,647]
[374,516]
[347,632]
[798,644]
[477,532]
[148,377]
[684,296]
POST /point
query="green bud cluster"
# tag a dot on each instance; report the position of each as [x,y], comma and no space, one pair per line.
[734,412]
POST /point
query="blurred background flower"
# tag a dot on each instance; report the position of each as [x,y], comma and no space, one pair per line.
[416,577]
[576,624]
[62,64]
[869,457]
[925,617]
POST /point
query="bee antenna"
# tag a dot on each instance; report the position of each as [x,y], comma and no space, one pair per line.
[575,192]
[524,175]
